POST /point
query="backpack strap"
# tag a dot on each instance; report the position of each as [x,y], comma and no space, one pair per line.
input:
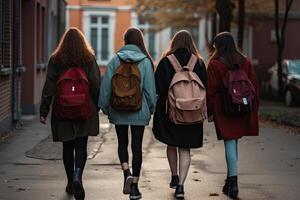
[192,62]
[175,63]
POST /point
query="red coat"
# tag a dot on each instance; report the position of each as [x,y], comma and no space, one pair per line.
[230,127]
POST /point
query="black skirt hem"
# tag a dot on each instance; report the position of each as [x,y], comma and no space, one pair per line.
[178,145]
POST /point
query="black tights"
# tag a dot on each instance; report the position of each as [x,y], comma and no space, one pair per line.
[137,133]
[80,147]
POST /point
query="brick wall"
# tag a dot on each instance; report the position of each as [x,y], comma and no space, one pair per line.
[5,59]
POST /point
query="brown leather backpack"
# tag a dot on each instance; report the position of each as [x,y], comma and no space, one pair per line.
[126,90]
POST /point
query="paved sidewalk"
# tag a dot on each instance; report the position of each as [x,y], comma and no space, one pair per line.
[269,168]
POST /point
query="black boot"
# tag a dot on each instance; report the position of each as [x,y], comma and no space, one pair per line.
[69,187]
[127,181]
[233,189]
[225,187]
[135,193]
[179,192]
[78,189]
[174,182]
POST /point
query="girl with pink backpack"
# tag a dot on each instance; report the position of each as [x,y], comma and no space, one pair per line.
[181,107]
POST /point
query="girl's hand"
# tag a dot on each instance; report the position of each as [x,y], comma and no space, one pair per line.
[43,120]
[210,119]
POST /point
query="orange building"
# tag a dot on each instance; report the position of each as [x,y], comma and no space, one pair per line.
[104,22]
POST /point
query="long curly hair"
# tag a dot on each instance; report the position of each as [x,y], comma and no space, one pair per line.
[73,50]
[182,39]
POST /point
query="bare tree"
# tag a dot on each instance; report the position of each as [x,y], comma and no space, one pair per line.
[241,23]
[280,37]
[224,9]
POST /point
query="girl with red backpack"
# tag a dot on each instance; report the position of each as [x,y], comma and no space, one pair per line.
[232,99]
[72,87]
[181,107]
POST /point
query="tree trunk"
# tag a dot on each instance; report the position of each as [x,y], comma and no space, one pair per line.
[224,9]
[241,23]
[214,25]
[280,39]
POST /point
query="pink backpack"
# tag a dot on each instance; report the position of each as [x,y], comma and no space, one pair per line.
[187,94]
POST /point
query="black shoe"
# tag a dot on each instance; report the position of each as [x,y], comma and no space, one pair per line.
[69,188]
[127,181]
[179,192]
[225,187]
[174,182]
[78,189]
[135,193]
[233,189]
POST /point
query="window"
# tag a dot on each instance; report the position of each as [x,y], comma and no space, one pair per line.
[104,44]
[149,35]
[151,44]
[94,40]
[99,37]
[94,20]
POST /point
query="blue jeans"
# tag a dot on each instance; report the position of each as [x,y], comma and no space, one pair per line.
[231,154]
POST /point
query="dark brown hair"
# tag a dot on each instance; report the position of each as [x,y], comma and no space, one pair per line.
[73,50]
[134,36]
[225,47]
[182,39]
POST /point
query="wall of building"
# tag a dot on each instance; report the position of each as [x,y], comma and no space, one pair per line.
[29,31]
[38,45]
[265,50]
[6,64]
[123,21]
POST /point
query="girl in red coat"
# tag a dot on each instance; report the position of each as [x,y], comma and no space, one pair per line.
[230,128]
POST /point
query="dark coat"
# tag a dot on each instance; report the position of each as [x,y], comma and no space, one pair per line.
[230,127]
[185,136]
[64,130]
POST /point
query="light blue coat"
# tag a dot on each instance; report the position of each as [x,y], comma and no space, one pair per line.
[130,53]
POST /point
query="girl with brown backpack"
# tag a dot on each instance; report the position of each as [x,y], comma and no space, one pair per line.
[181,107]
[72,87]
[232,98]
[128,97]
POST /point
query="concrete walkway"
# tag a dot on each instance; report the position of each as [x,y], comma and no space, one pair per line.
[269,168]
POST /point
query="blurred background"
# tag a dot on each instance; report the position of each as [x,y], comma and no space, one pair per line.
[266,31]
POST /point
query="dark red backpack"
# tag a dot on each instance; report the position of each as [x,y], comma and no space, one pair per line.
[238,93]
[72,99]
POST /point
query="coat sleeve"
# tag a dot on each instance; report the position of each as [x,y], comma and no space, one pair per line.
[48,89]
[163,77]
[200,70]
[211,89]
[105,89]
[149,85]
[94,78]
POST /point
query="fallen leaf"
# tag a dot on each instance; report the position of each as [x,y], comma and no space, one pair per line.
[213,194]
[21,189]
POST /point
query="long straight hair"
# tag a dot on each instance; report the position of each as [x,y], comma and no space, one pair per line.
[182,39]
[135,36]
[73,50]
[226,48]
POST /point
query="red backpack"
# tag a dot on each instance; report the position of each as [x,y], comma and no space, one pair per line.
[238,93]
[72,99]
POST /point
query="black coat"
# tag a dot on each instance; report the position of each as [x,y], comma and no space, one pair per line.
[185,136]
